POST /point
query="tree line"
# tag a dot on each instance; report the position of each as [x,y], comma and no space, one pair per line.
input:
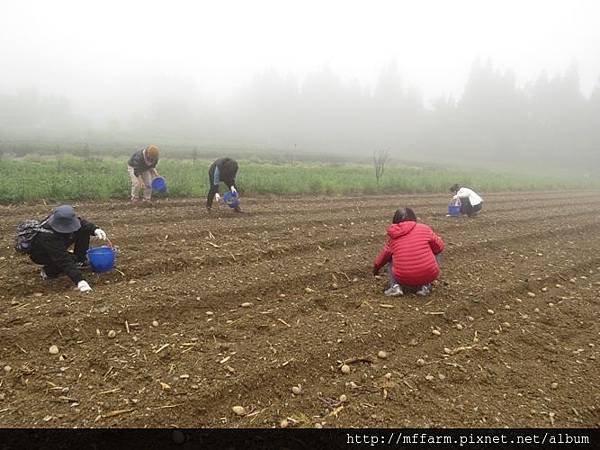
[547,120]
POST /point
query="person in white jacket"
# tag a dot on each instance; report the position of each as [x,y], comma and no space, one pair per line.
[470,202]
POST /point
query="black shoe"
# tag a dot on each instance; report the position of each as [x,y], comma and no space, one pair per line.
[46,276]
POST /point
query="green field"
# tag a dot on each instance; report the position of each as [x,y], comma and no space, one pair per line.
[69,178]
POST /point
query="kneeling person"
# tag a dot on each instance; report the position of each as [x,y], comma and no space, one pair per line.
[412,253]
[50,246]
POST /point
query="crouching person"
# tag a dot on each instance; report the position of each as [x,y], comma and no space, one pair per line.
[470,202]
[49,246]
[412,253]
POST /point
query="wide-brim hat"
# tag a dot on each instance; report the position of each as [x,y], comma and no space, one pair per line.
[64,220]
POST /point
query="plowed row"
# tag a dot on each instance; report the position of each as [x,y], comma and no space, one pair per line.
[516,309]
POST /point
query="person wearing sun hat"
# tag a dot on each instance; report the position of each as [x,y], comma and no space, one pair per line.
[62,229]
[142,170]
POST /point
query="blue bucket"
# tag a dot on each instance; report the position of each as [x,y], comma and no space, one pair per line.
[232,199]
[159,184]
[102,259]
[454,210]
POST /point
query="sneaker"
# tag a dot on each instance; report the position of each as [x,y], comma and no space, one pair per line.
[237,209]
[393,291]
[424,290]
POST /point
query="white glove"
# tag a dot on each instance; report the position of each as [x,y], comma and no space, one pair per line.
[233,190]
[83,286]
[100,234]
[217,197]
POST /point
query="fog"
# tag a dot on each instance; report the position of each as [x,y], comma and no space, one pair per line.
[464,80]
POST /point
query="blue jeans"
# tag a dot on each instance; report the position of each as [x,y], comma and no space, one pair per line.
[392,278]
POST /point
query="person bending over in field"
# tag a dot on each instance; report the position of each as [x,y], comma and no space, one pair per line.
[222,170]
[412,254]
[49,246]
[142,170]
[470,202]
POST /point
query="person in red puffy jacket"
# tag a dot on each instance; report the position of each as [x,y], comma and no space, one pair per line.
[412,253]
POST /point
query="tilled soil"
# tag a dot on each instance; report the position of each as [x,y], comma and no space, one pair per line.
[510,335]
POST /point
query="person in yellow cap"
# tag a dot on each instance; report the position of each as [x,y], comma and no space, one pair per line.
[142,170]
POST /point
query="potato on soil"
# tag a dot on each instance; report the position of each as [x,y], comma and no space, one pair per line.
[239,410]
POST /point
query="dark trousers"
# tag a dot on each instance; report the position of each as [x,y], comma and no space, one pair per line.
[467,208]
[81,239]
[213,188]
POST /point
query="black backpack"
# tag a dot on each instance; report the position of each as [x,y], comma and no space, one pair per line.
[26,231]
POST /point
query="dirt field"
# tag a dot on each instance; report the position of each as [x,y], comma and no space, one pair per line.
[509,337]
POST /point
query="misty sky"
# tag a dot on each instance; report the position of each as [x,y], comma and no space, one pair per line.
[83,49]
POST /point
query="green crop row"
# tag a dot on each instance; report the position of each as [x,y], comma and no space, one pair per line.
[72,178]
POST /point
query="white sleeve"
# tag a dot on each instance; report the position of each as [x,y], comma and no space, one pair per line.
[463,192]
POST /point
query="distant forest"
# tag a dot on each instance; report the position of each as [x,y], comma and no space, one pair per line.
[547,121]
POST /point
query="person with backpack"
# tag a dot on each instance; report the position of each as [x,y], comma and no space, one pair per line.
[470,202]
[142,170]
[222,170]
[412,254]
[47,244]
